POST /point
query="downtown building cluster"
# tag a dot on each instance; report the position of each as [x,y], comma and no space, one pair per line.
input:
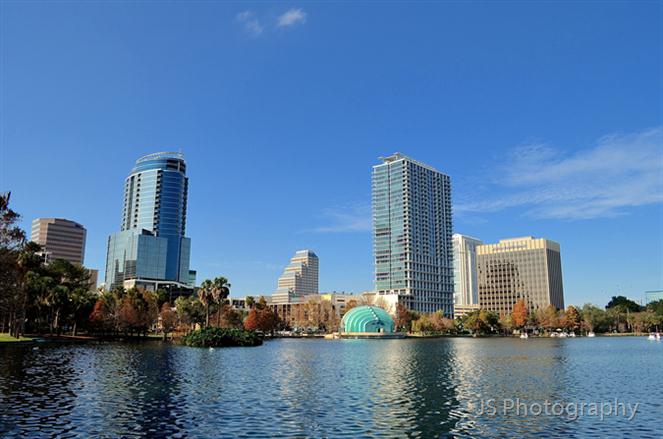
[418,262]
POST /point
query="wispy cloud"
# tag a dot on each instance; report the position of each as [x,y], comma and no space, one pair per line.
[250,23]
[604,180]
[292,17]
[356,218]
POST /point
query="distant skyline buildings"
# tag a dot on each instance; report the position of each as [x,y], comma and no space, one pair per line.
[466,290]
[299,278]
[151,247]
[60,239]
[412,228]
[515,269]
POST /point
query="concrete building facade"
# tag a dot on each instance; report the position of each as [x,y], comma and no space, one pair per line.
[60,239]
[299,278]
[412,228]
[520,268]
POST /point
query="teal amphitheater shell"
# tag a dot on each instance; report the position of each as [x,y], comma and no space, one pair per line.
[367,319]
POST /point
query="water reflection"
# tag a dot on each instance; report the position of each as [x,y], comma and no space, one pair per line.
[422,388]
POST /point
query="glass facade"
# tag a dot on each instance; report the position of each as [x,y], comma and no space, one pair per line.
[412,234]
[151,243]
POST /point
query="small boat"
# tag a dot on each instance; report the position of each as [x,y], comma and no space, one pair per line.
[553,334]
[563,335]
[524,335]
[651,337]
[591,334]
[572,334]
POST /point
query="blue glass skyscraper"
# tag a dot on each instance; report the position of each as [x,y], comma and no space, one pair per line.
[151,247]
[412,234]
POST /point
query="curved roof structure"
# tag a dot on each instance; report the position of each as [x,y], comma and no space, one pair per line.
[367,319]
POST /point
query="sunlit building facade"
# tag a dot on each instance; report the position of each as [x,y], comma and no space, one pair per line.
[60,239]
[520,268]
[465,270]
[300,278]
[412,234]
[151,247]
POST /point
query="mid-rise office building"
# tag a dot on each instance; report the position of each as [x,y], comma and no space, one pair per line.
[466,290]
[60,239]
[151,249]
[412,234]
[299,278]
[520,268]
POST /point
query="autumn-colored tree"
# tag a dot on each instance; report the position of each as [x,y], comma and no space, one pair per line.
[99,318]
[137,312]
[168,319]
[404,318]
[572,319]
[548,318]
[268,320]
[519,314]
[231,318]
[252,321]
[352,303]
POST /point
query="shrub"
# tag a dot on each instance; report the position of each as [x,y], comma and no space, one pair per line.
[221,337]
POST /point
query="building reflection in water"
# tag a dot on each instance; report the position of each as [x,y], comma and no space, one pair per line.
[508,372]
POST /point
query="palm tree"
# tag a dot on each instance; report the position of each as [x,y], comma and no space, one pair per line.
[220,292]
[206,298]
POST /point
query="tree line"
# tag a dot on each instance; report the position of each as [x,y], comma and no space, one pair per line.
[619,315]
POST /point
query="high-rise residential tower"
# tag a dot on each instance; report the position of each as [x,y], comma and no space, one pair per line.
[412,234]
[60,239]
[520,268]
[465,270]
[299,278]
[151,248]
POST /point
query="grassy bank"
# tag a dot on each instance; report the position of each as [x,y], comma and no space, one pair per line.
[6,338]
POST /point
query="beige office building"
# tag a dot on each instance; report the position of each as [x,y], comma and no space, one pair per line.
[300,278]
[60,239]
[520,268]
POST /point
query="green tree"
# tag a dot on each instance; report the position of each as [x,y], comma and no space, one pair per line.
[593,318]
[481,322]
[12,240]
[624,304]
[656,307]
[548,318]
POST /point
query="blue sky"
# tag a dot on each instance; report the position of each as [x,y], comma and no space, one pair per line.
[546,115]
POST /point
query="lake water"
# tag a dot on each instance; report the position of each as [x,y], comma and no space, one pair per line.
[322,388]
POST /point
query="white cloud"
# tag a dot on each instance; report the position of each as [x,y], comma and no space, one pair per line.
[250,23]
[355,218]
[292,17]
[619,172]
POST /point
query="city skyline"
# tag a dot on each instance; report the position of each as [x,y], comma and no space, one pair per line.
[536,144]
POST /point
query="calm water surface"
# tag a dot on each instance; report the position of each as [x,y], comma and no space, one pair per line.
[353,388]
